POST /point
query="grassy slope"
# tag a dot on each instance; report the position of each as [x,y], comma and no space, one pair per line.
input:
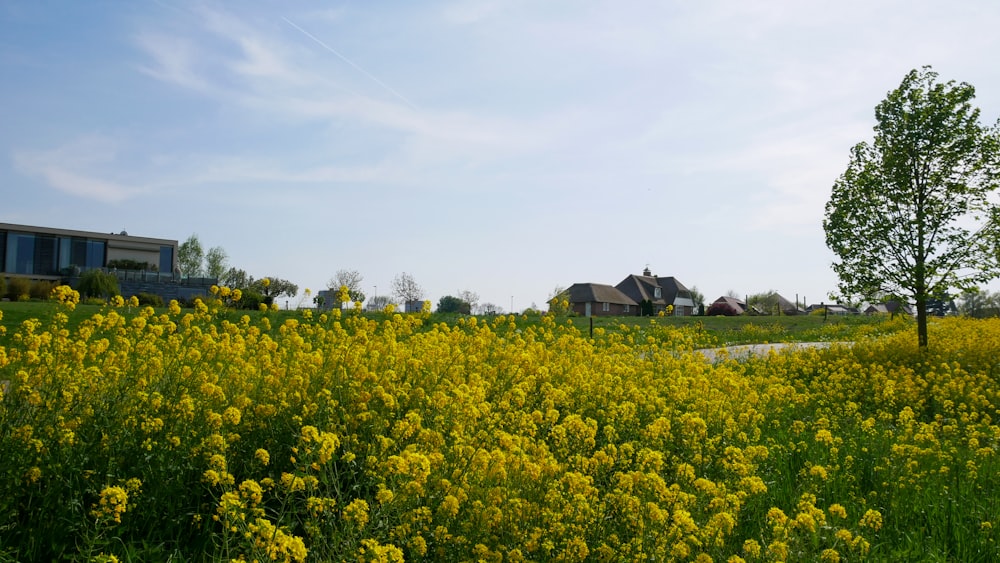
[722,330]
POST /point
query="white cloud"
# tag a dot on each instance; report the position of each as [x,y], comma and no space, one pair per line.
[71,169]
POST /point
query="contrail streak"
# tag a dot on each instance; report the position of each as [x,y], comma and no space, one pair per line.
[350,62]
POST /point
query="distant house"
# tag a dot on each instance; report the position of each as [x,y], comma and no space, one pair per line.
[788,308]
[635,295]
[737,305]
[595,299]
[654,294]
[889,308]
[833,309]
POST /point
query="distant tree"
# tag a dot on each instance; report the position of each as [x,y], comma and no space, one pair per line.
[452,304]
[406,289]
[351,279]
[732,293]
[470,297]
[559,301]
[911,217]
[236,278]
[190,256]
[378,302]
[646,308]
[216,262]
[487,309]
[978,303]
[697,297]
[273,288]
[766,303]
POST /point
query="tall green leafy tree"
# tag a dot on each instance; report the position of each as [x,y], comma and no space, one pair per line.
[216,262]
[913,215]
[190,256]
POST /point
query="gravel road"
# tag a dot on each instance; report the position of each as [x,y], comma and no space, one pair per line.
[747,350]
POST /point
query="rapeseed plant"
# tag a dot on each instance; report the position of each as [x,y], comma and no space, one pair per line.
[345,437]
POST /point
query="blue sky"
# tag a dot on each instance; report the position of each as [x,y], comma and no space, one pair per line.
[505,148]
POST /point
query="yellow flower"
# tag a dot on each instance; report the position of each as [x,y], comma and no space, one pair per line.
[357,512]
[449,506]
[824,436]
[818,471]
[872,519]
[232,416]
[845,536]
[837,510]
[383,496]
[262,456]
[371,551]
[112,504]
[751,549]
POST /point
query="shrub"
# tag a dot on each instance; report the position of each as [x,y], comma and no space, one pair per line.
[250,300]
[127,264]
[722,308]
[3,287]
[188,302]
[40,289]
[452,304]
[18,289]
[95,283]
[150,299]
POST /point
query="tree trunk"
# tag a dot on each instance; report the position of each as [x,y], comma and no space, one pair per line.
[922,321]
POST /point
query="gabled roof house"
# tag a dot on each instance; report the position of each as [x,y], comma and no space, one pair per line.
[658,293]
[635,295]
[891,307]
[786,307]
[596,299]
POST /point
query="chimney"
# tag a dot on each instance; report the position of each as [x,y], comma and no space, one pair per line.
[646,272]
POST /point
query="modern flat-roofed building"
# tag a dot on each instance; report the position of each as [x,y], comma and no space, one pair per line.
[47,253]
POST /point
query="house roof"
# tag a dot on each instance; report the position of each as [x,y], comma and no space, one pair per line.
[597,293]
[738,304]
[643,288]
[786,305]
[889,307]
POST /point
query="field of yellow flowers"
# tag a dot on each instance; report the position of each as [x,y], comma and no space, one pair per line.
[203,435]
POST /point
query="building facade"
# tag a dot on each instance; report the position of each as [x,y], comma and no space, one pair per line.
[47,253]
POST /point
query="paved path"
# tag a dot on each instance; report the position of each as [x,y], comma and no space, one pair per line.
[747,350]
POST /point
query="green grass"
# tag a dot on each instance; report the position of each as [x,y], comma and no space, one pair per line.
[747,329]
[717,330]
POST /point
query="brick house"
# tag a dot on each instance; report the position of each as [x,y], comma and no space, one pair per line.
[595,299]
[635,295]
